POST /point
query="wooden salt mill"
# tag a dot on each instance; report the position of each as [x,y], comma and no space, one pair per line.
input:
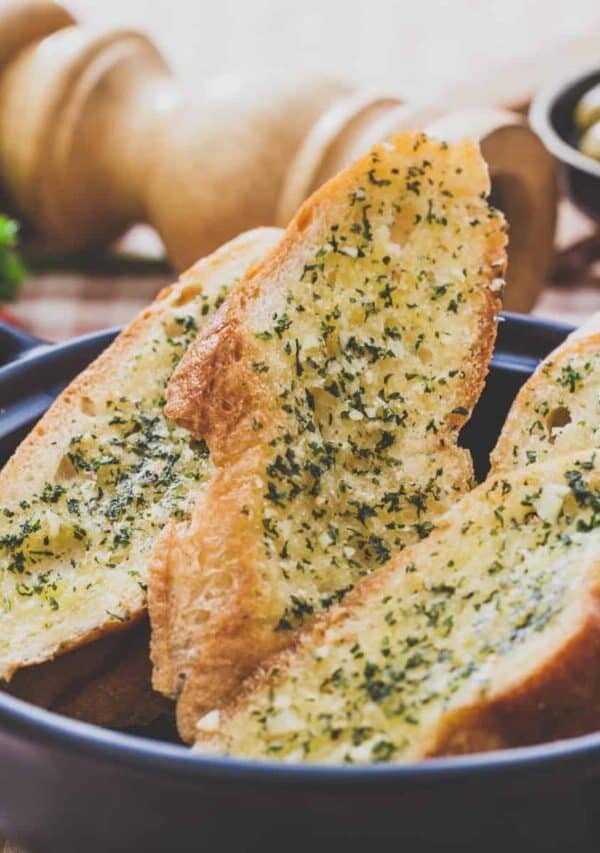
[96,134]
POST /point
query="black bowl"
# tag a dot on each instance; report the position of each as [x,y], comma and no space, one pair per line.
[68,786]
[552,117]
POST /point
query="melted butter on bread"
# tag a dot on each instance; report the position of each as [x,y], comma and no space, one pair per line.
[484,636]
[100,475]
[330,392]
[558,409]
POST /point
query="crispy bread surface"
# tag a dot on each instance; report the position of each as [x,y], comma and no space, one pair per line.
[558,409]
[84,496]
[486,635]
[330,391]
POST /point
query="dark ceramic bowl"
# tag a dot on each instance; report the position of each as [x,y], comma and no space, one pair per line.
[68,786]
[551,116]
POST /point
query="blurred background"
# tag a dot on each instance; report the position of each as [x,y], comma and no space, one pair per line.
[489,53]
[417,47]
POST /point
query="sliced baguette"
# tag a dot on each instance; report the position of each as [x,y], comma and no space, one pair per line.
[330,392]
[86,493]
[486,635]
[558,408]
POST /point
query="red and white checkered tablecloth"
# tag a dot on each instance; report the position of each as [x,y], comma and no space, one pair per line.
[57,306]
[96,293]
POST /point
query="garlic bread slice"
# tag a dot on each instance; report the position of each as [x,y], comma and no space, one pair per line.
[99,476]
[486,635]
[330,392]
[558,408]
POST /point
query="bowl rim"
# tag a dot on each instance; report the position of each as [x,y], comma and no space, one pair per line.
[539,118]
[53,730]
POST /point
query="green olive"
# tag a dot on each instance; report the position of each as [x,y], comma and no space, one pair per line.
[587,110]
[589,143]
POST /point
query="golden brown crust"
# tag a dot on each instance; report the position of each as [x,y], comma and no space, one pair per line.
[196,583]
[558,699]
[160,607]
[215,394]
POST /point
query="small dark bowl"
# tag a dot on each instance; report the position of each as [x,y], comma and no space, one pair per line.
[552,117]
[68,787]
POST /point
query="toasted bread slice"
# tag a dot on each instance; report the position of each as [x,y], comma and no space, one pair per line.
[486,635]
[330,392]
[558,408]
[107,682]
[103,471]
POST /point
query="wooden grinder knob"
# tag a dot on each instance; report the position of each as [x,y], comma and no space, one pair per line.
[95,134]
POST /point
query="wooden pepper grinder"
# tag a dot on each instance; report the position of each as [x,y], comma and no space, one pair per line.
[96,134]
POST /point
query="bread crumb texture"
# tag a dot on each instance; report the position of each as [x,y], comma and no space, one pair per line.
[101,474]
[557,410]
[330,394]
[483,636]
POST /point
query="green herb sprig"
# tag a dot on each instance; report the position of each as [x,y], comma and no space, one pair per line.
[12,268]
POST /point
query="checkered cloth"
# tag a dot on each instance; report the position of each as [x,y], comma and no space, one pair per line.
[63,304]
[57,306]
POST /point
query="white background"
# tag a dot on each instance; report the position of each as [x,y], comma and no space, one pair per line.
[414,48]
